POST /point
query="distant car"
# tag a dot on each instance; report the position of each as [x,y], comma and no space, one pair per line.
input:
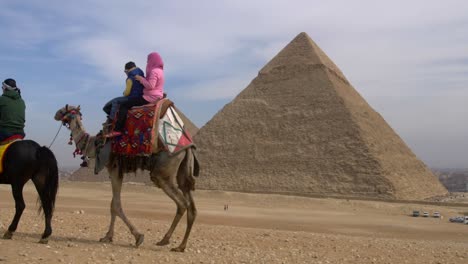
[436,215]
[466,220]
[457,219]
[415,213]
[425,214]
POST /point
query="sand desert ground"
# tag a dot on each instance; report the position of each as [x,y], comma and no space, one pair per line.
[257,228]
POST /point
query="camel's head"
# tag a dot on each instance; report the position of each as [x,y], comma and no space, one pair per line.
[67,113]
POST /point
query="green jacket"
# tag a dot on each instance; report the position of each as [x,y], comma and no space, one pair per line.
[12,112]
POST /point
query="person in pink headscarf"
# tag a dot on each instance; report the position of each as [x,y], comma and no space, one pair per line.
[154,81]
[153,91]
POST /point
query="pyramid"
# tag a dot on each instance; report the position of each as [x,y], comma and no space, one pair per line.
[300,128]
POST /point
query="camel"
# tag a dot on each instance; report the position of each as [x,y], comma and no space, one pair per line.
[173,174]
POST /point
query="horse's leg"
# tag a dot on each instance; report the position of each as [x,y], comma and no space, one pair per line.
[116,210]
[17,190]
[191,215]
[39,182]
[170,189]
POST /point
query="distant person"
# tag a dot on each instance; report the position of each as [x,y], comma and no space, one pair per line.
[12,111]
[133,91]
[153,90]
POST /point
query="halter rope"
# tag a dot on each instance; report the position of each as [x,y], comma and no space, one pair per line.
[55,136]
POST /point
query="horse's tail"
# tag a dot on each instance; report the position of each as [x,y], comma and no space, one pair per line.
[188,170]
[49,185]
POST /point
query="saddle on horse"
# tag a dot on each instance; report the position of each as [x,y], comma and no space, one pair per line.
[12,139]
[5,144]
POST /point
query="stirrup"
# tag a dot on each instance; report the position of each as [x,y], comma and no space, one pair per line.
[113,134]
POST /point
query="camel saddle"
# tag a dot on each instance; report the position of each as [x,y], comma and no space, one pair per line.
[150,129]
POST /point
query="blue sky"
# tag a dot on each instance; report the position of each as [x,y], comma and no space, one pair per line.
[408,59]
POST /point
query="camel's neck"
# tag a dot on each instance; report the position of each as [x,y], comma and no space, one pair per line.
[83,141]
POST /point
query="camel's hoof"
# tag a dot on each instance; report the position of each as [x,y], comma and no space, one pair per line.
[139,239]
[44,241]
[7,235]
[178,249]
[106,240]
[163,242]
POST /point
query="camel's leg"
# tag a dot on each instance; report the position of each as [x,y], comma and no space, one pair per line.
[17,190]
[113,174]
[191,215]
[184,174]
[116,210]
[170,189]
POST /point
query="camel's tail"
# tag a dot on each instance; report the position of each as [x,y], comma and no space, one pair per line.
[189,169]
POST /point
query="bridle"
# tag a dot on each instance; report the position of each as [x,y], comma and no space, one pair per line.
[65,116]
[68,115]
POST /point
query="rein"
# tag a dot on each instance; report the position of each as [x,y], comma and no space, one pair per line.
[55,136]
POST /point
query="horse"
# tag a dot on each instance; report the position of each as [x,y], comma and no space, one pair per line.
[26,160]
[174,174]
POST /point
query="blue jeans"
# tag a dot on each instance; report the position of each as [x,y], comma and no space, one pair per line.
[113,105]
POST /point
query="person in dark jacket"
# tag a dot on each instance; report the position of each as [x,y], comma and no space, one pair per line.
[12,111]
[133,90]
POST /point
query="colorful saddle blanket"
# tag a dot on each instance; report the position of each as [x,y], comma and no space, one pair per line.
[150,129]
[3,149]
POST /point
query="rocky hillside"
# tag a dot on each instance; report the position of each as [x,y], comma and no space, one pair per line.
[455,180]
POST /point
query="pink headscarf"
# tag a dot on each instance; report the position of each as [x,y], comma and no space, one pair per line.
[154,80]
[154,61]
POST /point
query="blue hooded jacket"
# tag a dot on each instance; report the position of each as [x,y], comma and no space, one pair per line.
[137,87]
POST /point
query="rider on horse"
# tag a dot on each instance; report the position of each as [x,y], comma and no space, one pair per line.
[12,111]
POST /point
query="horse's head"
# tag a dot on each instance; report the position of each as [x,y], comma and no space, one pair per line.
[67,113]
